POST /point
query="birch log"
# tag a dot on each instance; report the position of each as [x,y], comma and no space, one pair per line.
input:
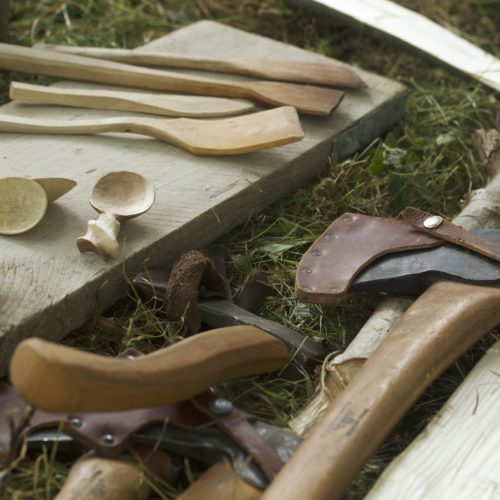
[416,31]
[482,210]
[457,457]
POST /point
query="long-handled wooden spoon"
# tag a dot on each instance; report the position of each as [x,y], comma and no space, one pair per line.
[117,196]
[241,134]
[305,98]
[157,104]
[331,74]
[23,202]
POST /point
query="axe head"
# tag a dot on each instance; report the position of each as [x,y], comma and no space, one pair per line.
[413,271]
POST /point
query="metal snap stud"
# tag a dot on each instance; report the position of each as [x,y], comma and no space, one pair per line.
[76,422]
[433,221]
[307,270]
[329,236]
[317,252]
[107,438]
[220,407]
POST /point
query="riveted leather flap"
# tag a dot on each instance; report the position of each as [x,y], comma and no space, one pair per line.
[235,423]
[446,230]
[349,244]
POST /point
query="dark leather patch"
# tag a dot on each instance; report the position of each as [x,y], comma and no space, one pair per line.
[448,231]
[349,244]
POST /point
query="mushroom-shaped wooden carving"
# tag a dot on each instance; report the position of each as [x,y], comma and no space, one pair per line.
[117,196]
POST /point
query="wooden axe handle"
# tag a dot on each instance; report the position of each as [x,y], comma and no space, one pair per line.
[56,378]
[440,326]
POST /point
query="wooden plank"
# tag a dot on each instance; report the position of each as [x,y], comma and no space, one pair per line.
[48,288]
[458,455]
[391,20]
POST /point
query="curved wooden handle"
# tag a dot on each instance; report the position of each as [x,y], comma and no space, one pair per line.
[220,482]
[440,326]
[56,378]
[96,478]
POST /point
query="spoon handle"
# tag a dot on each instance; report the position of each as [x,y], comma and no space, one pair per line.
[100,237]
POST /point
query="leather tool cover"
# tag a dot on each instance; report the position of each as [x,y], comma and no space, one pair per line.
[349,244]
[454,234]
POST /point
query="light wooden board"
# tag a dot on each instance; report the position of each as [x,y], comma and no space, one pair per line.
[457,457]
[48,288]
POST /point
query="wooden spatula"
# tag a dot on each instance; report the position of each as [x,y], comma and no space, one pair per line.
[241,134]
[157,104]
[306,99]
[331,74]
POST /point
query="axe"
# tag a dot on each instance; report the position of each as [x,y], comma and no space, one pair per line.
[447,319]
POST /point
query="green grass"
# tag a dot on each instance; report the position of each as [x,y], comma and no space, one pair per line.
[427,160]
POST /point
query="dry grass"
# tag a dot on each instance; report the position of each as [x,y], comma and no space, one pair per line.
[427,160]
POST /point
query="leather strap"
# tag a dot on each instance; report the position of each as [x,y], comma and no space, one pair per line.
[234,422]
[349,244]
[446,230]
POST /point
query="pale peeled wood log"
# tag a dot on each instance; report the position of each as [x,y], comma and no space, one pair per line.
[440,326]
[48,289]
[220,482]
[138,102]
[457,456]
[223,136]
[330,74]
[416,31]
[482,211]
[305,98]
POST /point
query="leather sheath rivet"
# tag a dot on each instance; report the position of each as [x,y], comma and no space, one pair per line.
[335,290]
[307,289]
[329,237]
[107,438]
[220,407]
[129,356]
[317,253]
[76,422]
[348,218]
[433,221]
[307,270]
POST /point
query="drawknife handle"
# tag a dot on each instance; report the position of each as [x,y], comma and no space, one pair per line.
[57,378]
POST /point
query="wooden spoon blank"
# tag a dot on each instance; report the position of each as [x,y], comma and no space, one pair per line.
[307,99]
[330,74]
[58,378]
[241,134]
[156,104]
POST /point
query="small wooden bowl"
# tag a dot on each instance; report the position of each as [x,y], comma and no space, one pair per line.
[23,203]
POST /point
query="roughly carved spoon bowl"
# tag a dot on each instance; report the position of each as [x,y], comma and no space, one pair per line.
[117,196]
[23,202]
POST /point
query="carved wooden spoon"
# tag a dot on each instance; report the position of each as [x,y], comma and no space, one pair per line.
[116,196]
[329,73]
[23,202]
[137,102]
[305,98]
[241,134]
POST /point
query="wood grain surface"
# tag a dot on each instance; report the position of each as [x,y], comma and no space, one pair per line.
[48,288]
[457,455]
